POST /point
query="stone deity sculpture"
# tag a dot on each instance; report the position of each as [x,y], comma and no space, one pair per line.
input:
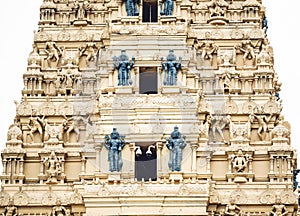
[278,208]
[232,209]
[59,210]
[171,68]
[218,123]
[132,7]
[35,124]
[168,8]
[240,161]
[81,8]
[124,66]
[53,167]
[115,143]
[10,209]
[175,145]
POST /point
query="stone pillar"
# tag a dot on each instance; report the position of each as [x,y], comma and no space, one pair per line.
[98,149]
[132,157]
[271,165]
[83,165]
[194,147]
[159,146]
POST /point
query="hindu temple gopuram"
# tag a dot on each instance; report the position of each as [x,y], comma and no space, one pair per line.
[149,107]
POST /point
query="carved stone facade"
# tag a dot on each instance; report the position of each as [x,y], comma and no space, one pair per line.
[186,121]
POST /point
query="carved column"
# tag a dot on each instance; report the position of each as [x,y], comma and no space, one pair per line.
[159,146]
[271,165]
[178,3]
[194,147]
[83,165]
[4,163]
[132,156]
[119,2]
[98,148]
[110,78]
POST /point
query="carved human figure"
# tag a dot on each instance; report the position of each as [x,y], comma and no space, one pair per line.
[90,51]
[123,65]
[278,209]
[216,8]
[132,7]
[10,209]
[206,48]
[218,123]
[168,8]
[247,48]
[73,126]
[35,124]
[263,121]
[53,167]
[115,143]
[226,80]
[81,8]
[171,68]
[176,144]
[59,209]
[232,209]
[204,127]
[53,53]
[240,161]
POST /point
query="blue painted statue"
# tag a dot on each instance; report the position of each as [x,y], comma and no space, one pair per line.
[132,7]
[175,145]
[171,68]
[168,8]
[115,143]
[124,66]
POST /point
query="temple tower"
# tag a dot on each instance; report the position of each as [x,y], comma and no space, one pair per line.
[151,107]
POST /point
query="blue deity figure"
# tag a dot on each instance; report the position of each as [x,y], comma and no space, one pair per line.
[175,145]
[124,66]
[171,68]
[132,7]
[115,143]
[168,8]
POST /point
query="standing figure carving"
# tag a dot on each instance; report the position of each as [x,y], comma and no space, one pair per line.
[218,124]
[124,66]
[81,8]
[176,144]
[132,7]
[53,166]
[35,124]
[171,68]
[206,48]
[115,143]
[168,8]
[53,53]
[247,48]
[73,126]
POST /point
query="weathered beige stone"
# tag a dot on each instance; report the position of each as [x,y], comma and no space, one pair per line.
[238,158]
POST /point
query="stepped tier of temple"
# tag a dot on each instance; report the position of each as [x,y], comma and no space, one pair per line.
[149,108]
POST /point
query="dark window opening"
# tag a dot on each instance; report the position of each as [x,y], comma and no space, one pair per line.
[148,80]
[150,11]
[146,162]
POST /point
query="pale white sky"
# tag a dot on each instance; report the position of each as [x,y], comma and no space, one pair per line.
[19,18]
